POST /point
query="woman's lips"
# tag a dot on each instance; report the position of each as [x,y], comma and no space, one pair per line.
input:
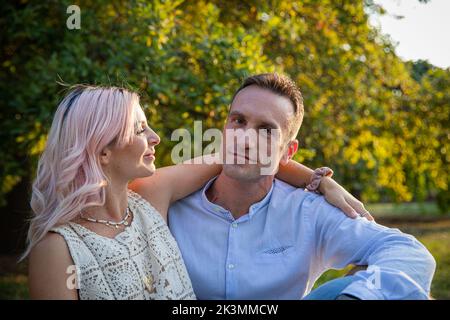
[149,156]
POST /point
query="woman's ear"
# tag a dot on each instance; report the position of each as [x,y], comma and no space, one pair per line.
[291,150]
[105,156]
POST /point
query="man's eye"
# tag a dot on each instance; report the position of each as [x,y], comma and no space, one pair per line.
[238,121]
[267,131]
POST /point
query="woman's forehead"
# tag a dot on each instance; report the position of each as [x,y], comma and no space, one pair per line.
[140,115]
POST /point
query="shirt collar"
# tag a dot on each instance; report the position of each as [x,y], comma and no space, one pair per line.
[224,213]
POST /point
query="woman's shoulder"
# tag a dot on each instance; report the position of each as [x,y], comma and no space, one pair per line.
[51,252]
[139,203]
[132,195]
[49,262]
[52,243]
[136,200]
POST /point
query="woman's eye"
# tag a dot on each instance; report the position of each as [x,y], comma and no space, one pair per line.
[238,121]
[141,131]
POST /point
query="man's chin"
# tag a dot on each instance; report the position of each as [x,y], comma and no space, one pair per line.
[243,172]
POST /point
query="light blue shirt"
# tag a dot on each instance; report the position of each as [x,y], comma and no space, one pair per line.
[286,241]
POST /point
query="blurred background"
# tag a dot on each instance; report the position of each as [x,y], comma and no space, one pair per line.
[374,75]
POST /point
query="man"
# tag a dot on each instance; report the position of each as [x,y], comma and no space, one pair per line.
[250,236]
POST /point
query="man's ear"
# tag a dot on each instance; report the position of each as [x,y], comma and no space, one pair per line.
[105,156]
[291,150]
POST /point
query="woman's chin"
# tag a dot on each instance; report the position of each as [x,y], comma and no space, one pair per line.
[149,170]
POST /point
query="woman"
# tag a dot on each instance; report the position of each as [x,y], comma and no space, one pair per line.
[93,238]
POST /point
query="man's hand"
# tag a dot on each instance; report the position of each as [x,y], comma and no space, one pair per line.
[340,198]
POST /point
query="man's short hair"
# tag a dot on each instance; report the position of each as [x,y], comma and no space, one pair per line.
[283,86]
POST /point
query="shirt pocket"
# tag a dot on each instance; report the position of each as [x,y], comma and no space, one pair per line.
[275,254]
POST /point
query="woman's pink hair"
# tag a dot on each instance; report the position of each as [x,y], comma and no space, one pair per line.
[69,174]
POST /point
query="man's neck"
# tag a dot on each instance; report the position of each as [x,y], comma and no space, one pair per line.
[236,195]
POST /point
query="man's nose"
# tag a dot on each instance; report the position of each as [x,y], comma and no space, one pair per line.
[246,142]
[252,138]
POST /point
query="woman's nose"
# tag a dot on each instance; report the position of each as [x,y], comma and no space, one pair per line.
[153,138]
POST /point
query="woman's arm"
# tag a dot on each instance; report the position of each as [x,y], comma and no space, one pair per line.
[47,271]
[171,183]
[299,175]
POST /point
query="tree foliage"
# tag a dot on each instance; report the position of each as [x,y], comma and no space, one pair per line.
[379,122]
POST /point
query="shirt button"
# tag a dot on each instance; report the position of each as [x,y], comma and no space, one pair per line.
[231,266]
[234,225]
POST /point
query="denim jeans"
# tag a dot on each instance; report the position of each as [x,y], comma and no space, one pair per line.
[331,289]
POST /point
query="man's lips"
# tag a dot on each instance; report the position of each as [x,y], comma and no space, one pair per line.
[238,158]
[236,155]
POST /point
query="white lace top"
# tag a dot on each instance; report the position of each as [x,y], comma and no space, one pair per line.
[141,262]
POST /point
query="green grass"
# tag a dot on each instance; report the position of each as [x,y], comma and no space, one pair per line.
[435,235]
[13,287]
[439,244]
[410,209]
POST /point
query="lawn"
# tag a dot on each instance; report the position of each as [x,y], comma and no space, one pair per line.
[421,220]
[13,279]
[435,235]
[428,225]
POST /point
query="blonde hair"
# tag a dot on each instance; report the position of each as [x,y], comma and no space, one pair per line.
[69,174]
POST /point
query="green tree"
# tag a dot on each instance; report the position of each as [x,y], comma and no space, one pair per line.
[379,122]
[185,67]
[362,104]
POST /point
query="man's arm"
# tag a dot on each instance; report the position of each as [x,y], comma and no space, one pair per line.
[399,266]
